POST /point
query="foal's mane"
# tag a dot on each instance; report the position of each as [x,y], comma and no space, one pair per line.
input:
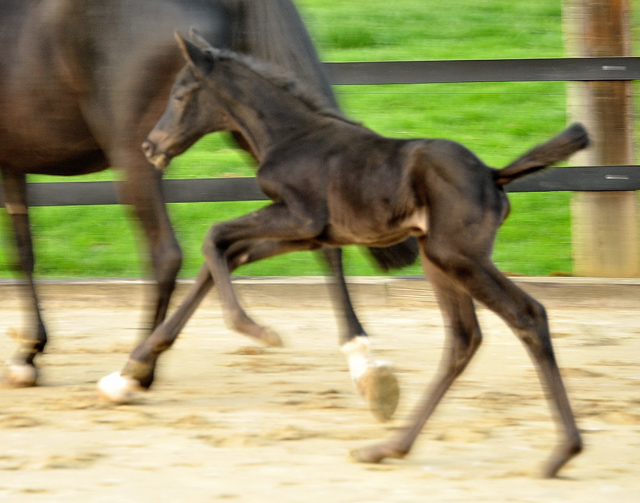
[283,80]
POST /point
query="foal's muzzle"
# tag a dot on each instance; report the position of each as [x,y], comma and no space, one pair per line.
[159,159]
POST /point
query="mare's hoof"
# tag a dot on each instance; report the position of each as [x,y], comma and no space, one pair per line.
[21,375]
[117,388]
[379,386]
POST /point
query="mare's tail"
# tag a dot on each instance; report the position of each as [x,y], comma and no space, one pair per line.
[274,32]
[558,148]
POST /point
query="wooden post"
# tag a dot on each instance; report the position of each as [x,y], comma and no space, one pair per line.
[604,224]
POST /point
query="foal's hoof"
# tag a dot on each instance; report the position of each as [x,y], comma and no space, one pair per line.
[117,388]
[21,375]
[379,386]
[375,453]
[270,338]
[562,456]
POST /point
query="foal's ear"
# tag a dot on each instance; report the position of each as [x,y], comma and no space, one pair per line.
[197,39]
[202,60]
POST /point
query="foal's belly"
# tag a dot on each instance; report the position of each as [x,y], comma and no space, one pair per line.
[359,230]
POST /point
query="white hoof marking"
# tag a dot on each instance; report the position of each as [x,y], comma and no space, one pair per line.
[118,389]
[358,353]
[21,374]
[374,379]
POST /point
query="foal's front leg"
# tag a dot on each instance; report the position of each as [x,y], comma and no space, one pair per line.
[374,379]
[342,302]
[224,242]
[139,371]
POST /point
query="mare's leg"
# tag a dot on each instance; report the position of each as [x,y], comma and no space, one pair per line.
[143,191]
[22,370]
[373,379]
[464,337]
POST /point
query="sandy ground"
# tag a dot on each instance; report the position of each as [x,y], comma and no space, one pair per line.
[227,421]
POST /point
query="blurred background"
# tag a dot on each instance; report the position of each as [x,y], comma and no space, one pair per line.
[498,121]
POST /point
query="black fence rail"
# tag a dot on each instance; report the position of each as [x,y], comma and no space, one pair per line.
[587,178]
[590,178]
[485,70]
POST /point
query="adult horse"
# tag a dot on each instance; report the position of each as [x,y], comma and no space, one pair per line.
[434,189]
[81,85]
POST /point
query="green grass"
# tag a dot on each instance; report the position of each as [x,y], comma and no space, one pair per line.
[497,120]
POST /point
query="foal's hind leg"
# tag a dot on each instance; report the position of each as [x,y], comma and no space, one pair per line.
[464,338]
[22,370]
[373,379]
[342,302]
[528,320]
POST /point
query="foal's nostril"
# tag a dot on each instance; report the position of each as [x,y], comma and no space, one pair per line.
[148,148]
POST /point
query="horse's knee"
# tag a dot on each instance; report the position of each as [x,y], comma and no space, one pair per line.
[450,260]
[463,350]
[173,262]
[473,342]
[530,316]
[212,239]
[532,327]
[217,241]
[167,263]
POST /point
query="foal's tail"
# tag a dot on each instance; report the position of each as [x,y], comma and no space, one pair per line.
[558,148]
[396,256]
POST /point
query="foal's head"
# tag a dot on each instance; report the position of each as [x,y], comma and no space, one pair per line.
[211,92]
[192,110]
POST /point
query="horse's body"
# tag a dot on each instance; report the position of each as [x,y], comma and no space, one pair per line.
[333,182]
[81,85]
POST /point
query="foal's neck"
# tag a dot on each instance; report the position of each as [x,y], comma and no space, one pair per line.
[267,116]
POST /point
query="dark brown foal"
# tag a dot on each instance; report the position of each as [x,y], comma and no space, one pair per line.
[333,182]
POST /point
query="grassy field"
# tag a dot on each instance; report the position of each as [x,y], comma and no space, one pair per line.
[497,120]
